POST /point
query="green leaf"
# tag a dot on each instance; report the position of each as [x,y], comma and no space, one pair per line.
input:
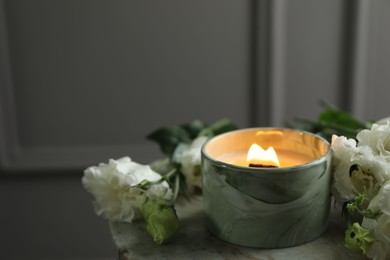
[194,127]
[219,127]
[341,118]
[169,137]
[223,126]
[333,121]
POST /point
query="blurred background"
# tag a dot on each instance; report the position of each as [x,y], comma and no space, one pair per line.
[84,81]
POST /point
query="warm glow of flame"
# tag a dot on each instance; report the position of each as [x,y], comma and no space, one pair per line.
[257,155]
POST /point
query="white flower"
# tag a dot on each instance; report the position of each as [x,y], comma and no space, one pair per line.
[383,121]
[357,171]
[113,186]
[378,138]
[378,251]
[380,248]
[189,156]
[342,149]
[382,200]
[381,226]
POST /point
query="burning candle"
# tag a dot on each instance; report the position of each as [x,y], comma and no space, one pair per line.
[266,187]
[283,148]
[256,155]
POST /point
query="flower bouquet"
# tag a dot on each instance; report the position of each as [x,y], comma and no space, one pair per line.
[361,178]
[126,191]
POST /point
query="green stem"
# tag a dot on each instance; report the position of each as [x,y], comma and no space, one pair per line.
[169,174]
[176,187]
[145,184]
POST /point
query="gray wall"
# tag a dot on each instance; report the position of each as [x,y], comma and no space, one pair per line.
[45,217]
[84,81]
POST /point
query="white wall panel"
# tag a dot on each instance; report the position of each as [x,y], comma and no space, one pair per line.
[376,91]
[310,57]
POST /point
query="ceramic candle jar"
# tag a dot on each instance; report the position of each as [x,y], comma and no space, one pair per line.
[267,207]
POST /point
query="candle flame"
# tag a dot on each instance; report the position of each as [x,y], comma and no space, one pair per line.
[257,155]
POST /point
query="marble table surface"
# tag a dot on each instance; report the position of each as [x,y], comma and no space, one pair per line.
[195,242]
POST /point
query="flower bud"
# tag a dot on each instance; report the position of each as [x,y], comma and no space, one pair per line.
[358,239]
[161,219]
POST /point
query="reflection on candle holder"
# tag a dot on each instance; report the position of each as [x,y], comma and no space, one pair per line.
[266,207]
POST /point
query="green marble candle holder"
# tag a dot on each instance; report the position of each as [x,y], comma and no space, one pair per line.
[267,207]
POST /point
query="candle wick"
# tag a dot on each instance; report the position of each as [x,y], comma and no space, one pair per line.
[259,165]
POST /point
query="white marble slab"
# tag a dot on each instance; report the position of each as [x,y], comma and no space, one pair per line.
[195,242]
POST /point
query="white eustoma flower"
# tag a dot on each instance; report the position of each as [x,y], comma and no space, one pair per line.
[382,121]
[378,251]
[356,170]
[113,186]
[381,226]
[189,156]
[342,149]
[378,138]
[381,250]
[382,200]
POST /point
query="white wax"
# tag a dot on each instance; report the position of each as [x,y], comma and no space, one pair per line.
[286,158]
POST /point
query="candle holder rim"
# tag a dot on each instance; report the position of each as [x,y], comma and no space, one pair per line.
[266,170]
